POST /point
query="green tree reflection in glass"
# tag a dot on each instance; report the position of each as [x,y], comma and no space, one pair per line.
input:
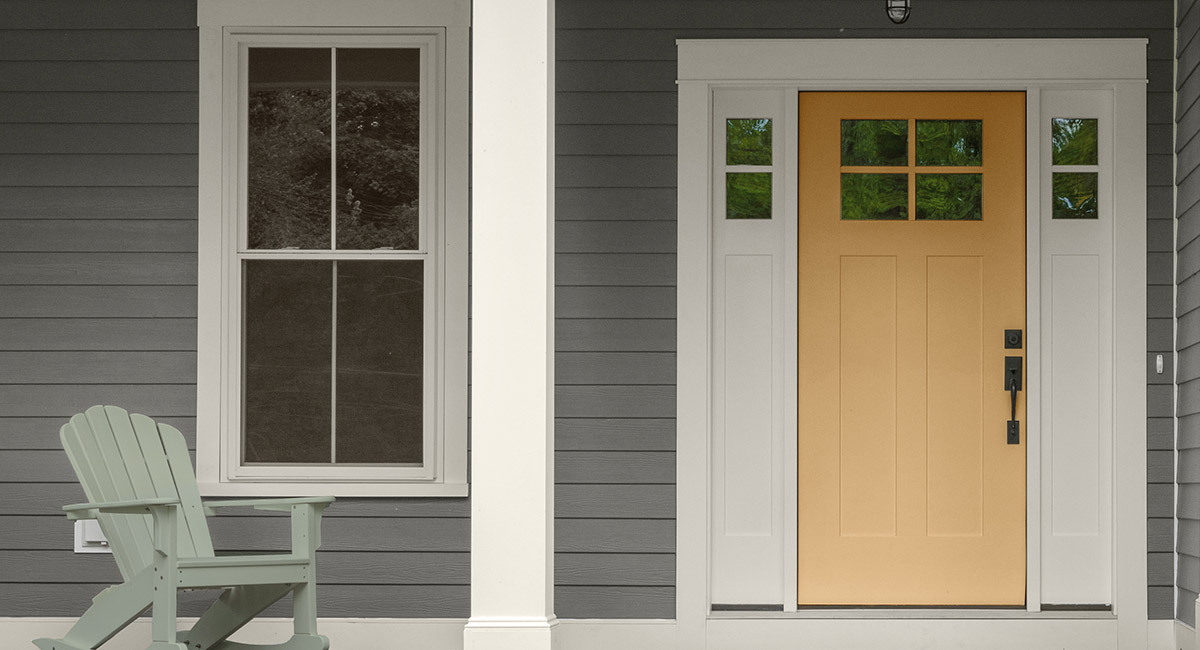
[956,143]
[950,197]
[747,196]
[1075,195]
[872,197]
[748,141]
[875,142]
[1074,141]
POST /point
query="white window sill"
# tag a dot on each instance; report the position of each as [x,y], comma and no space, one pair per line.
[256,489]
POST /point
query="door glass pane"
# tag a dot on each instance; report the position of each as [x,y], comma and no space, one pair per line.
[1074,141]
[288,148]
[874,197]
[380,361]
[748,196]
[950,197]
[286,338]
[874,142]
[378,148]
[950,142]
[1075,195]
[748,142]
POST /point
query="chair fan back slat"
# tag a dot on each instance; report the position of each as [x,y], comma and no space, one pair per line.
[157,473]
[185,482]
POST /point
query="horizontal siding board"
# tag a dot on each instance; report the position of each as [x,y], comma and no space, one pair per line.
[1189,466]
[88,14]
[32,107]
[614,335]
[614,269]
[1186,606]
[611,536]
[98,138]
[614,434]
[1187,295]
[609,76]
[635,44]
[1160,270]
[1189,432]
[133,170]
[944,14]
[609,368]
[1160,569]
[615,171]
[1160,536]
[441,534]
[1160,301]
[611,302]
[614,204]
[1189,398]
[1160,206]
[1159,500]
[620,467]
[1160,433]
[616,237]
[65,400]
[614,602]
[97,334]
[1189,537]
[349,601]
[643,570]
[74,203]
[44,499]
[1160,334]
[1160,466]
[1188,506]
[92,235]
[614,501]
[1189,572]
[99,44]
[78,367]
[98,302]
[1189,23]
[616,140]
[616,107]
[613,401]
[1160,603]
[42,432]
[1160,401]
[101,76]
[97,268]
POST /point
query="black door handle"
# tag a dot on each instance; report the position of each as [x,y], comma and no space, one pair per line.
[1012,384]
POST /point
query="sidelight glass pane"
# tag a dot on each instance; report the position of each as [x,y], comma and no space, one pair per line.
[1075,195]
[950,197]
[748,142]
[950,142]
[867,197]
[286,338]
[288,148]
[378,148]
[748,196]
[380,361]
[1074,141]
[874,142]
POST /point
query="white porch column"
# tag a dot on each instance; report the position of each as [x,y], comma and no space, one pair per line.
[512,457]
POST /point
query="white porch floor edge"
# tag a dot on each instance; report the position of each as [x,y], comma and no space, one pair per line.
[351,633]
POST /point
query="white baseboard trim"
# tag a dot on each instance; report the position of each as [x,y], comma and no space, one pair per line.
[427,634]
[1185,637]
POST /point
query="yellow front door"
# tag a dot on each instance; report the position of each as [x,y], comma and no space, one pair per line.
[912,266]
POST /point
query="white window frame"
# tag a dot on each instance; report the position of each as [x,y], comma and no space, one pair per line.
[441,31]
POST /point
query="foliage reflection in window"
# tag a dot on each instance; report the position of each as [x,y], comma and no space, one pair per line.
[748,141]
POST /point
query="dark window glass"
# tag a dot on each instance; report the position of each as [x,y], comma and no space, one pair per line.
[287,331]
[748,196]
[874,142]
[950,197]
[1074,141]
[380,361]
[378,148]
[950,143]
[868,197]
[288,148]
[1075,195]
[748,142]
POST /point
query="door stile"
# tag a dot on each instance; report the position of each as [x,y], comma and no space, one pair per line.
[1033,356]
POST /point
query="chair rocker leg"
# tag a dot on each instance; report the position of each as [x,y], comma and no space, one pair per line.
[111,610]
[234,608]
[297,642]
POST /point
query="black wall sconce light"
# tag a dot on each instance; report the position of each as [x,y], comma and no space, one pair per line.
[898,10]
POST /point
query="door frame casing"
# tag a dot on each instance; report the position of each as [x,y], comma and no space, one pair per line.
[1028,65]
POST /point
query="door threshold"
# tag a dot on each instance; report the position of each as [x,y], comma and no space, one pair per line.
[966,613]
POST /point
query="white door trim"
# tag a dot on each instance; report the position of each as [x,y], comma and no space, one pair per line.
[1030,65]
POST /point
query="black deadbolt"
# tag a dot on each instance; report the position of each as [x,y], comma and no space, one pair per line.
[1012,339]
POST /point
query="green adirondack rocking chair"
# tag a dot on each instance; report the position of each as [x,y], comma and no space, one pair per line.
[138,479]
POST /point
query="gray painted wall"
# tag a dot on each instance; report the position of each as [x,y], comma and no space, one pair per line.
[1188,302]
[616,197]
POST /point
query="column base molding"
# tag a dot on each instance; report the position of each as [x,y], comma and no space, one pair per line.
[510,633]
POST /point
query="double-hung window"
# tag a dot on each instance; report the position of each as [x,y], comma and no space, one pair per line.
[332,324]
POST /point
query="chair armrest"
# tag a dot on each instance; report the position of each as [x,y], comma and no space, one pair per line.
[135,507]
[281,505]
